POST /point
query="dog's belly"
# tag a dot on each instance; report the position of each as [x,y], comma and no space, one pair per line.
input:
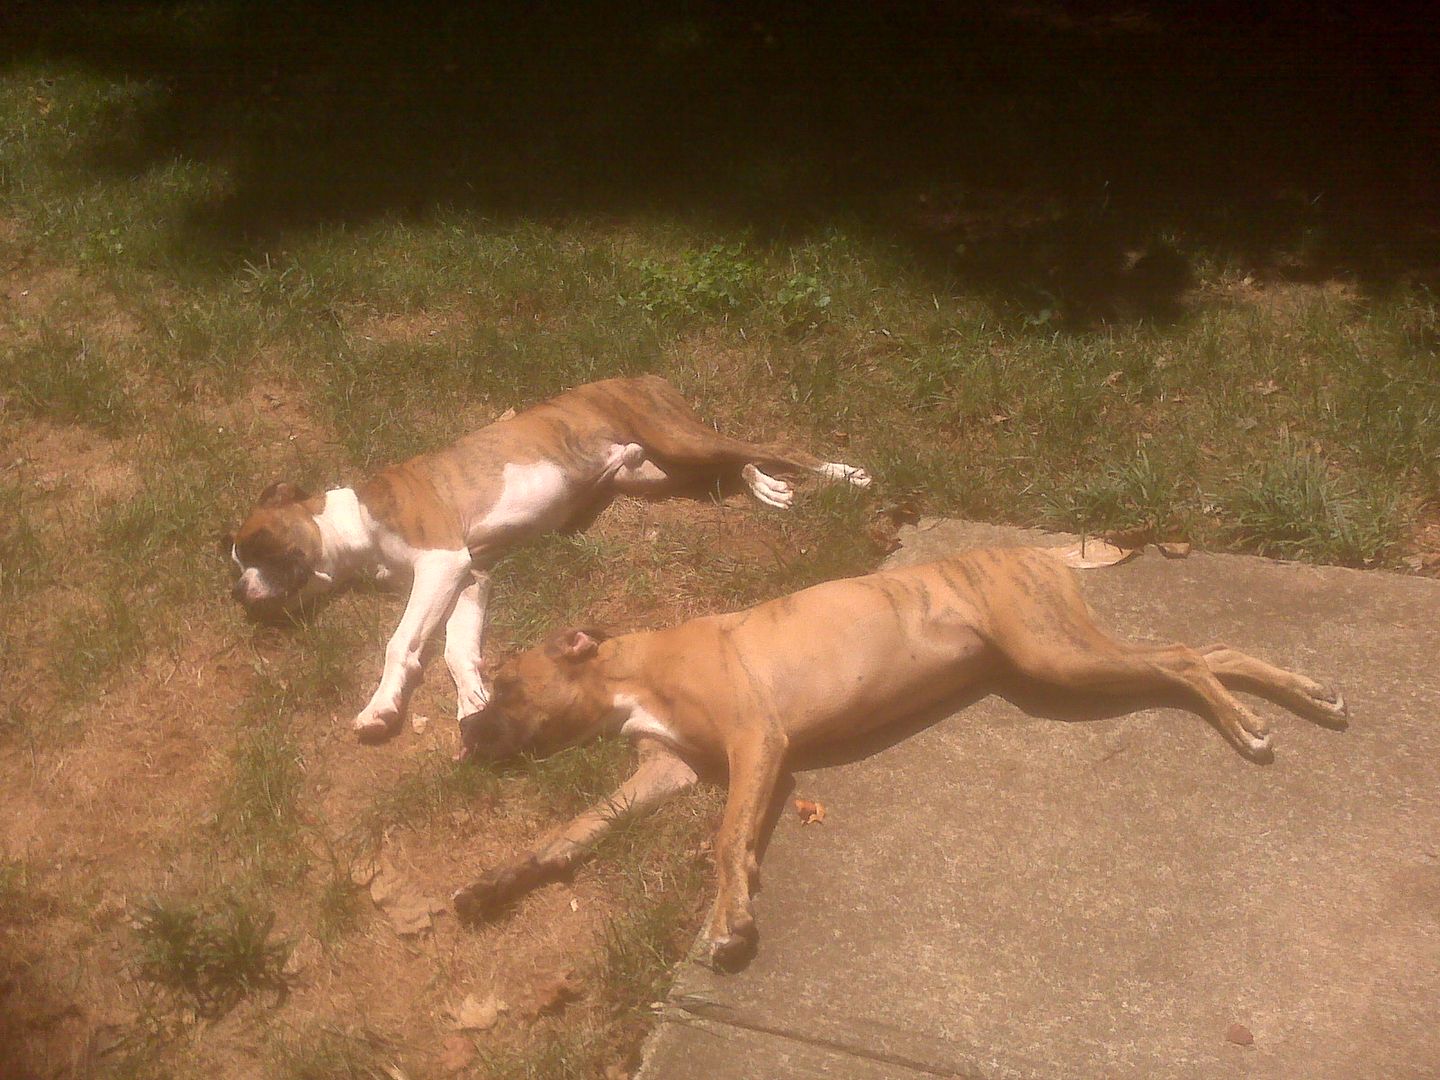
[534,498]
[845,660]
[871,683]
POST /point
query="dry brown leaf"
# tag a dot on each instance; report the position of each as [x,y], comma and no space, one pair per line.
[1240,1035]
[1177,549]
[811,813]
[550,994]
[456,1052]
[508,414]
[883,536]
[1092,553]
[474,1014]
[394,894]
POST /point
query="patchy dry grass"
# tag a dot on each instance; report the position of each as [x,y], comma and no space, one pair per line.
[155,745]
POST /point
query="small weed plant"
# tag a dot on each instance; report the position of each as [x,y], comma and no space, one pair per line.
[210,958]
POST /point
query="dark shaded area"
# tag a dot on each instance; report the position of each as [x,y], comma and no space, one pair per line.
[1072,155]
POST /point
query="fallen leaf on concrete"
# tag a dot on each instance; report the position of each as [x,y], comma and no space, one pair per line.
[1092,553]
[1240,1035]
[550,994]
[473,1014]
[1175,550]
[811,813]
[456,1052]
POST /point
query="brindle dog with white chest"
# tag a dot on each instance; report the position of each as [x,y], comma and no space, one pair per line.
[823,665]
[444,519]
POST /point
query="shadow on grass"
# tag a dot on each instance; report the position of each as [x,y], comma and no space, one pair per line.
[1069,156]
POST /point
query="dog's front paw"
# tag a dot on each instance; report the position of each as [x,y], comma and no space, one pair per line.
[730,936]
[376,725]
[492,893]
[731,950]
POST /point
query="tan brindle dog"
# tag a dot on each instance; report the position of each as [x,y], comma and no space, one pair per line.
[820,666]
[444,519]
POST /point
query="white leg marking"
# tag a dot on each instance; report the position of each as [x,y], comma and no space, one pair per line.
[464,639]
[768,489]
[834,470]
[439,578]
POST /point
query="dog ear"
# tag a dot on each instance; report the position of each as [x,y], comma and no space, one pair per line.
[282,492]
[580,644]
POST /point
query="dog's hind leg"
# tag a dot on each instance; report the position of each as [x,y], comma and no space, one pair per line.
[1296,692]
[678,441]
[659,776]
[1052,637]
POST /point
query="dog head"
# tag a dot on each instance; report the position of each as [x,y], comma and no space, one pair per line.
[278,553]
[544,700]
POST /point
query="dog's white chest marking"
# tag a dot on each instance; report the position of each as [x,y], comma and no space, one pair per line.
[530,496]
[640,721]
[343,528]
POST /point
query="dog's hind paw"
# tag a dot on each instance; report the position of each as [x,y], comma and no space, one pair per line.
[768,489]
[851,474]
[1330,707]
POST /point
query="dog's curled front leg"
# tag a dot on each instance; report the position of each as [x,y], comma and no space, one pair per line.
[660,775]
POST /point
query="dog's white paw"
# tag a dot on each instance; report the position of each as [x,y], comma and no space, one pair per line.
[1331,702]
[1261,747]
[851,474]
[768,489]
[373,725]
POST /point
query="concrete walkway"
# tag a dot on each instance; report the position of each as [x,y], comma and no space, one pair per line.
[1010,895]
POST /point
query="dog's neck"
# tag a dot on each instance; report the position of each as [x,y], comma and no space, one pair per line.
[345,540]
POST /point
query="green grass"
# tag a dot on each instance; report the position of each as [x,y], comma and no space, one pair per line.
[63,376]
[24,557]
[210,957]
[1296,509]
[436,786]
[329,1053]
[165,281]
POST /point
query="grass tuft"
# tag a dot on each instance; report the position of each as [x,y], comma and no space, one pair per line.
[1295,509]
[65,377]
[328,1053]
[210,958]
